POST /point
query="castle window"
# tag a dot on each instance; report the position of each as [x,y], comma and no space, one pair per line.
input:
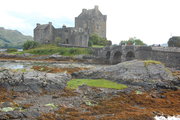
[66,30]
[67,41]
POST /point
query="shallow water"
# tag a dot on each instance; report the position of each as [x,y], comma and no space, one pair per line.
[167,118]
[9,65]
[24,65]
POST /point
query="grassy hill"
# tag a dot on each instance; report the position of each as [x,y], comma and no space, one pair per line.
[53,49]
[12,38]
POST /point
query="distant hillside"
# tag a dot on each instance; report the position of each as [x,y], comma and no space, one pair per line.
[12,38]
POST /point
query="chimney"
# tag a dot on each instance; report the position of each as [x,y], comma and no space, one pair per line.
[50,23]
[38,24]
[96,7]
[84,10]
[64,26]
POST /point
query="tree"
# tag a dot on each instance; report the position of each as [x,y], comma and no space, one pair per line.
[30,44]
[90,43]
[132,41]
[58,40]
[10,50]
[94,39]
[174,42]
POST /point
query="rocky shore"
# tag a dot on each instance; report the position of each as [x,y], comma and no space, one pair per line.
[39,92]
[148,74]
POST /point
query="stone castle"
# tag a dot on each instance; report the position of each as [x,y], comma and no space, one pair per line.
[89,22]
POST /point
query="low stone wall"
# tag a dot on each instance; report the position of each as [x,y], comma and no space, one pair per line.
[168,49]
[171,59]
[116,54]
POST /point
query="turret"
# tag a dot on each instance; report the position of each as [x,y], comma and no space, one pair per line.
[96,7]
[50,23]
[38,24]
[84,10]
[64,26]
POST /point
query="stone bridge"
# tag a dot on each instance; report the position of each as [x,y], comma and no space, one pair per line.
[117,54]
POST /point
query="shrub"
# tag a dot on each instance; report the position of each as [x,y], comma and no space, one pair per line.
[73,51]
[90,43]
[94,39]
[62,52]
[9,50]
[30,44]
[174,42]
[132,41]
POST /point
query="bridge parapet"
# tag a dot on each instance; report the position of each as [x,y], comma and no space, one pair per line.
[167,49]
[117,54]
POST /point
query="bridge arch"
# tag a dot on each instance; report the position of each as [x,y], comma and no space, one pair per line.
[108,54]
[130,56]
[117,57]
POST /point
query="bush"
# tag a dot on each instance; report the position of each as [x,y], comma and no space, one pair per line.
[30,44]
[73,51]
[90,43]
[10,50]
[132,41]
[96,40]
[174,42]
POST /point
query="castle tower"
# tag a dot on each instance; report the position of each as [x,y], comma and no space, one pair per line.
[44,33]
[92,21]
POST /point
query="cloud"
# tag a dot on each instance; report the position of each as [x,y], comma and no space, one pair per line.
[153,21]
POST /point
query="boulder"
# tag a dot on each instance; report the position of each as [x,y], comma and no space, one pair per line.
[132,72]
[33,81]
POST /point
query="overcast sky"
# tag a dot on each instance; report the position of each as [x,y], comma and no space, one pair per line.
[153,21]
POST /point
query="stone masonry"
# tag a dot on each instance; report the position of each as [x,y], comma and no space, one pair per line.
[89,22]
[170,56]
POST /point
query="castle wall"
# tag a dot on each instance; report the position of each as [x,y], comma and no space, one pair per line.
[72,36]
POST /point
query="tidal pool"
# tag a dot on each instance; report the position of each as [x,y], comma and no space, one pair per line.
[167,118]
[9,65]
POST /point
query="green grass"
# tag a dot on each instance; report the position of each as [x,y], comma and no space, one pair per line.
[53,49]
[98,46]
[102,83]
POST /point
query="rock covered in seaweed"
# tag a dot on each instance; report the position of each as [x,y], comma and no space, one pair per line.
[145,73]
[32,81]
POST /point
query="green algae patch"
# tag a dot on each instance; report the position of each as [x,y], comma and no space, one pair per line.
[148,62]
[102,83]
